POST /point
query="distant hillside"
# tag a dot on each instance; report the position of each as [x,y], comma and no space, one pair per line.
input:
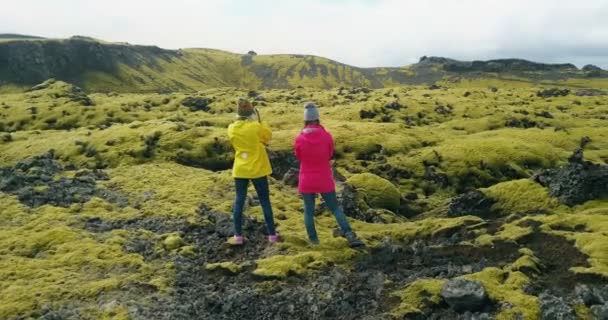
[14,36]
[101,66]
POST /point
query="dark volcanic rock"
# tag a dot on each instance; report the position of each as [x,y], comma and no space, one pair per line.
[367,114]
[394,106]
[576,182]
[33,182]
[431,174]
[590,295]
[555,308]
[590,92]
[471,203]
[520,123]
[600,311]
[31,62]
[462,294]
[197,103]
[544,114]
[291,177]
[284,165]
[553,92]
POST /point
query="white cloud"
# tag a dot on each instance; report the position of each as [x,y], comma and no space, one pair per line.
[360,32]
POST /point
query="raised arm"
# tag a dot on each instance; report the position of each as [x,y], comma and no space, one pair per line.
[265,134]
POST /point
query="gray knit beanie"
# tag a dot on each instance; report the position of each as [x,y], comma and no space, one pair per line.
[310,112]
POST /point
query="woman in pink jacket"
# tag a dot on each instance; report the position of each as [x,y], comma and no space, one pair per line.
[314,147]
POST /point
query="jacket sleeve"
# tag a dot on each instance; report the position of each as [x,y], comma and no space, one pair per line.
[265,134]
[230,132]
[330,145]
[296,149]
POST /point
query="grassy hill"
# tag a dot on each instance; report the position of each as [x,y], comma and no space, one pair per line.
[99,66]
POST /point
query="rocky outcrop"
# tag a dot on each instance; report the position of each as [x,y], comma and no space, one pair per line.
[474,203]
[58,89]
[197,103]
[576,182]
[499,65]
[25,61]
[36,182]
[552,92]
[34,61]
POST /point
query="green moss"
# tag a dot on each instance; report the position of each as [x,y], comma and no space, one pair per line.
[172,189]
[522,196]
[374,233]
[173,241]
[375,191]
[46,261]
[583,312]
[511,231]
[48,257]
[502,285]
[228,266]
[592,242]
[281,266]
[526,263]
[418,295]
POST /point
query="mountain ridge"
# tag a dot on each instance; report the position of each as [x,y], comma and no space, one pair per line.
[97,65]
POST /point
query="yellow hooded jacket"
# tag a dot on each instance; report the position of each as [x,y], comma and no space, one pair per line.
[248,139]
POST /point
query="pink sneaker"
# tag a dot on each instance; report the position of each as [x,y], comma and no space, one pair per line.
[274,238]
[239,240]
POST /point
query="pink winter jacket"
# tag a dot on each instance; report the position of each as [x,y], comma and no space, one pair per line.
[314,148]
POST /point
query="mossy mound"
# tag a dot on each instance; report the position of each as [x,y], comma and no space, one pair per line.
[375,192]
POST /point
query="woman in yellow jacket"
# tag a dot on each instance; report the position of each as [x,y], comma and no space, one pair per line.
[248,138]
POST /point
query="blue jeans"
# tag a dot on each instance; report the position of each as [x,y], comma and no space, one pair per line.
[261,188]
[309,213]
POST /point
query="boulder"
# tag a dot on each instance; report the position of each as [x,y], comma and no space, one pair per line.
[375,192]
[464,295]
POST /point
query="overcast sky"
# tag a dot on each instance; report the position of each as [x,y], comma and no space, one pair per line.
[364,33]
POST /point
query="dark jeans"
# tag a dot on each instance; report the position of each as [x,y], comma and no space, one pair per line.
[261,188]
[309,213]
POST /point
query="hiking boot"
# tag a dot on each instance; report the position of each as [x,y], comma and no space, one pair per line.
[238,240]
[353,241]
[274,238]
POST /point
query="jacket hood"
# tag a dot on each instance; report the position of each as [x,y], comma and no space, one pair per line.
[312,131]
